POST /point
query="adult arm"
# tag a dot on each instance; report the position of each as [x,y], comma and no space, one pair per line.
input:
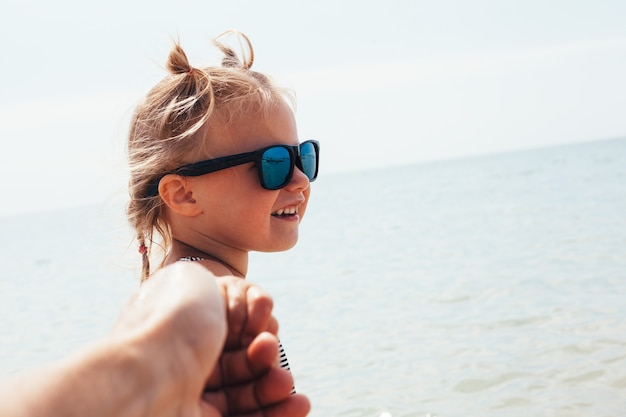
[166,346]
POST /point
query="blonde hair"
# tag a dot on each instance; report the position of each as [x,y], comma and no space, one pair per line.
[169,127]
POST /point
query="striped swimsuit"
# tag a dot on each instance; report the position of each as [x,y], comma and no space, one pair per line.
[284,363]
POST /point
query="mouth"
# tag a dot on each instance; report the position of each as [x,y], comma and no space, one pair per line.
[291,211]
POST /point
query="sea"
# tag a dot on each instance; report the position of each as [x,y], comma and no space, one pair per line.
[491,285]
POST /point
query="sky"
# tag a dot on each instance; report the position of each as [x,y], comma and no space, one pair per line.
[377,83]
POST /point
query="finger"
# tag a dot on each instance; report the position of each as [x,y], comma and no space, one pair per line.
[245,364]
[272,326]
[273,387]
[235,297]
[297,405]
[262,353]
[259,313]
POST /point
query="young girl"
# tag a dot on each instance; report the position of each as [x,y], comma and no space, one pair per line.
[217,169]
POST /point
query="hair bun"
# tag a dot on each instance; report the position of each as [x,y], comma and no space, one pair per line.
[177,62]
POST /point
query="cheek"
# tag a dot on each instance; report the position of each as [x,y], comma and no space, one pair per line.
[259,203]
[302,209]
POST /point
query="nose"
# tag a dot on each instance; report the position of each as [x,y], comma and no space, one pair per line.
[299,181]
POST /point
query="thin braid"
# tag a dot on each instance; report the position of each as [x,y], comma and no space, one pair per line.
[145,258]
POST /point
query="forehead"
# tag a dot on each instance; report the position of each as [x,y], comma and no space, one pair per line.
[253,130]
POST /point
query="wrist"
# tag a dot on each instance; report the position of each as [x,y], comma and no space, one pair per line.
[103,380]
[109,379]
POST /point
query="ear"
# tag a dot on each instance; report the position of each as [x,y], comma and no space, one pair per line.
[176,192]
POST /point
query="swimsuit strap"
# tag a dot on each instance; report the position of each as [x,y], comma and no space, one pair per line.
[192,258]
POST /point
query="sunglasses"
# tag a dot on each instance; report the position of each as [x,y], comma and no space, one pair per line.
[275,165]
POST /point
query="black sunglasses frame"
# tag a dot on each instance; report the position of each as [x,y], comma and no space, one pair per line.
[208,166]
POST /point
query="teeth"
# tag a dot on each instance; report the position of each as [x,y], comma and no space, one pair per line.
[287,211]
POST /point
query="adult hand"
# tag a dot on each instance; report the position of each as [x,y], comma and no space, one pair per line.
[184,346]
[248,378]
[220,347]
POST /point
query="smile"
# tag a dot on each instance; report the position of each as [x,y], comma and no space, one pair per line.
[287,211]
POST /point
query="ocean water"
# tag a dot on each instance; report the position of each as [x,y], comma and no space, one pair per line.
[492,285]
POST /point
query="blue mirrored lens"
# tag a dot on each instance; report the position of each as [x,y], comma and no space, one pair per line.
[308,156]
[276,165]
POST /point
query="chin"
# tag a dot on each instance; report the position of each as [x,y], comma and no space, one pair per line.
[284,246]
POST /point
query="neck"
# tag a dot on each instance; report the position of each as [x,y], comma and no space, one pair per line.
[235,261]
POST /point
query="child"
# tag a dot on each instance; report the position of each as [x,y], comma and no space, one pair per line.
[216,166]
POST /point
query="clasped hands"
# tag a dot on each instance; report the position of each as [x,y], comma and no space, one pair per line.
[212,343]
